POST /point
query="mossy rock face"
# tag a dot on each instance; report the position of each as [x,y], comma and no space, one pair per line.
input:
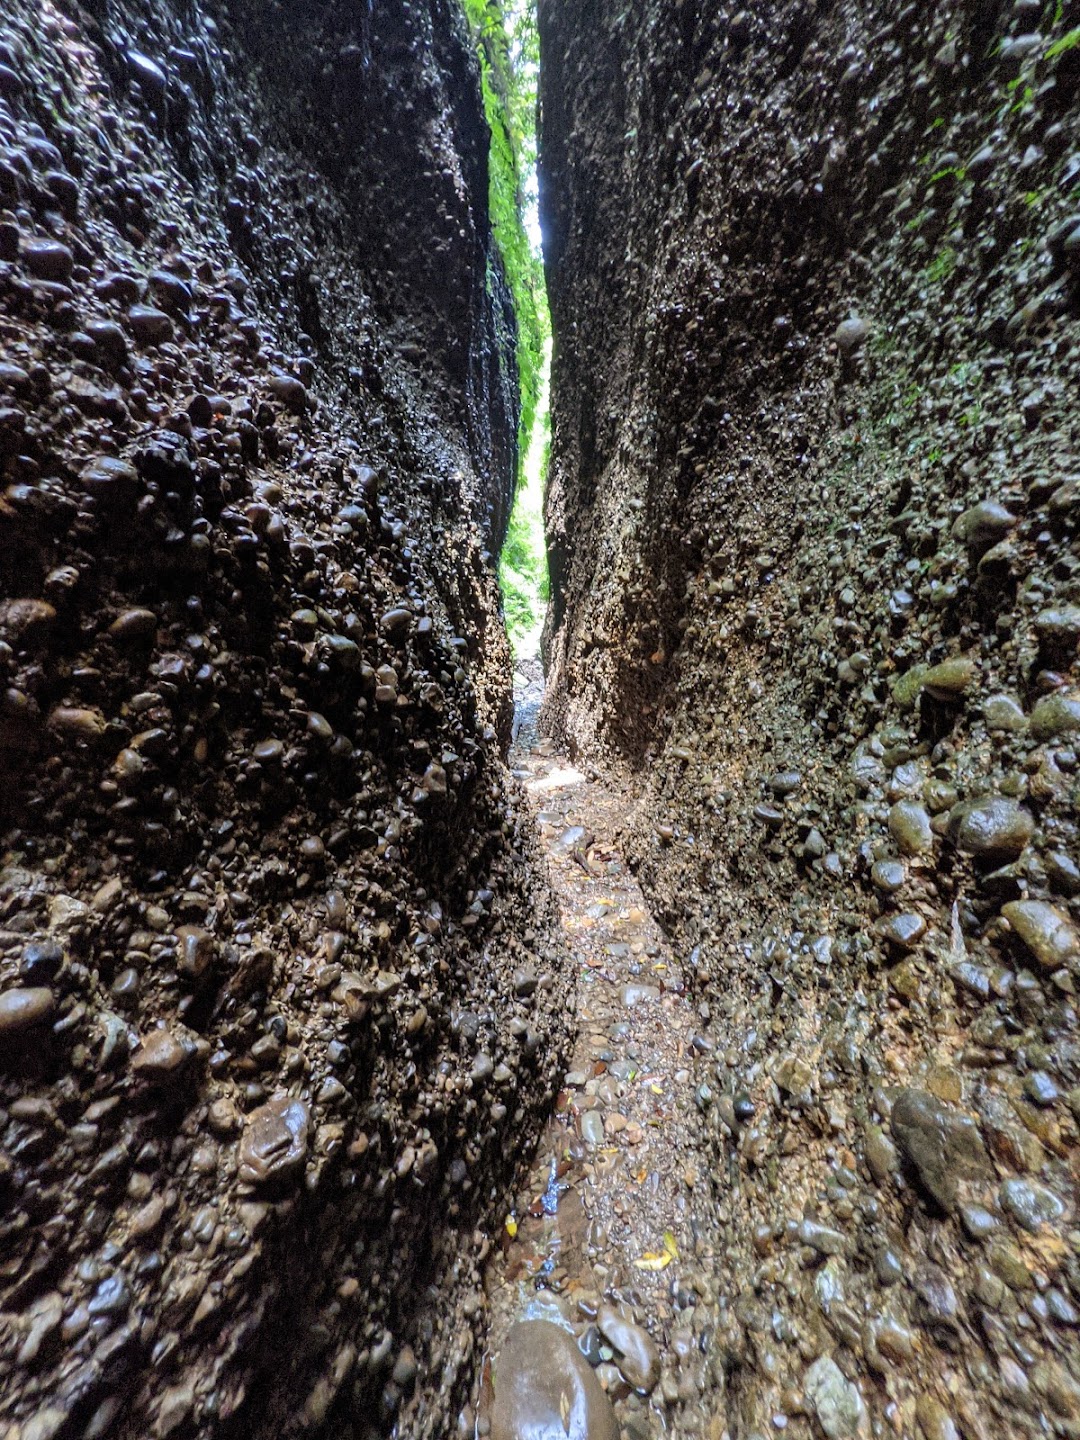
[951,679]
[907,689]
[1057,714]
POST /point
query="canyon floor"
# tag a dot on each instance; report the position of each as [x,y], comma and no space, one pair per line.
[610,1240]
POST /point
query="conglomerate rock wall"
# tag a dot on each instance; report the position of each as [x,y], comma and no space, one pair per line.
[814,270]
[275,981]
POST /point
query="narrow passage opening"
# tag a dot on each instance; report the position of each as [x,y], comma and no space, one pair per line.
[509,47]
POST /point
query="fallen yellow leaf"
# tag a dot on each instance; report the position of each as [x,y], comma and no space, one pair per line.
[649,1261]
[511,1226]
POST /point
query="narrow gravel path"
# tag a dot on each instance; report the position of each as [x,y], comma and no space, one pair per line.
[614,1230]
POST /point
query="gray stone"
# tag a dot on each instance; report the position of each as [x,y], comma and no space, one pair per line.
[1059,626]
[909,826]
[1047,932]
[1031,1205]
[592,1127]
[983,525]
[942,1144]
[1056,714]
[995,829]
[834,1400]
[850,334]
[1003,713]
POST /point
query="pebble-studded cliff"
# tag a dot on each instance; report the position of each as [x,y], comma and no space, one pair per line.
[815,277]
[276,982]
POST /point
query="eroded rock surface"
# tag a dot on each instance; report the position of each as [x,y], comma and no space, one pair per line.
[262,896]
[814,555]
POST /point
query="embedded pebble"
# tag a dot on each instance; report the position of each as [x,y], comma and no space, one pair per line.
[274,1144]
[909,826]
[834,1399]
[638,1358]
[48,260]
[23,1009]
[942,1144]
[1031,1205]
[1047,933]
[996,829]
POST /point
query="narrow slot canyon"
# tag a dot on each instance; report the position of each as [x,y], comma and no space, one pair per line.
[607,984]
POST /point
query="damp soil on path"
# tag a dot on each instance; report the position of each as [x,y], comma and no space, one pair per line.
[612,1237]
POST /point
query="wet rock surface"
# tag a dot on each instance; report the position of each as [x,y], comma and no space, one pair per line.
[283,1001]
[263,896]
[812,514]
[544,1389]
[613,1238]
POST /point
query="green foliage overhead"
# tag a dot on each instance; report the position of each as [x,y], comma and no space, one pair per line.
[509,49]
[1069,41]
[508,43]
[523,572]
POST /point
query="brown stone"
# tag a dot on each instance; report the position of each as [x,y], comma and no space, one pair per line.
[275,1141]
[546,1390]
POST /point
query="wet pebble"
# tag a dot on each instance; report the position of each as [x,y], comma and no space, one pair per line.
[1058,627]
[592,1127]
[1041,1088]
[160,1056]
[983,525]
[1046,932]
[290,391]
[133,625]
[544,1389]
[995,830]
[109,340]
[638,1358]
[149,74]
[1053,715]
[49,260]
[1030,1204]
[942,1144]
[42,961]
[1003,713]
[888,875]
[149,325]
[23,1009]
[902,932]
[110,479]
[834,1400]
[274,1145]
[850,334]
[634,992]
[881,1155]
[909,826]
[951,679]
[524,981]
